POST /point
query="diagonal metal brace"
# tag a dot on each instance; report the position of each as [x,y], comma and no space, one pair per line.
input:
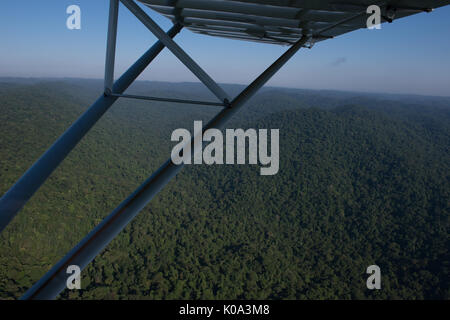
[177,50]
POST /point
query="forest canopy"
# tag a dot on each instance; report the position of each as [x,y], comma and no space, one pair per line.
[363,180]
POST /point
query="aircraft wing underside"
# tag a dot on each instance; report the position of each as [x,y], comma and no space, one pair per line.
[283,21]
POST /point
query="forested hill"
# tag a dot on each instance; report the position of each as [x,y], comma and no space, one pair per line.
[363,180]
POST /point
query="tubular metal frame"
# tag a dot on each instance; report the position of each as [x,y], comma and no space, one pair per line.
[18,195]
[176,50]
[54,281]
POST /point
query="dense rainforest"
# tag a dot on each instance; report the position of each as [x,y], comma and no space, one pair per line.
[363,180]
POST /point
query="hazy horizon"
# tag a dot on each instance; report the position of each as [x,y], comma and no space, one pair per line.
[233,84]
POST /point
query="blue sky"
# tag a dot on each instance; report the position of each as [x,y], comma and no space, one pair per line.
[409,56]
